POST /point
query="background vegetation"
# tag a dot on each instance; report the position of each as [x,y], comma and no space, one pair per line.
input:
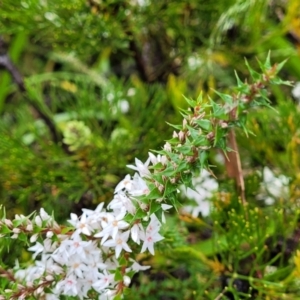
[87,86]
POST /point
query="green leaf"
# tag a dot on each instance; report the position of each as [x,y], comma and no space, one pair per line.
[185,149]
[154,207]
[238,80]
[22,237]
[255,76]
[191,103]
[200,99]
[154,194]
[140,214]
[280,65]
[218,110]
[201,141]
[267,63]
[4,229]
[169,188]
[18,222]
[203,159]
[204,124]
[122,261]
[225,97]
[118,276]
[178,127]
[186,179]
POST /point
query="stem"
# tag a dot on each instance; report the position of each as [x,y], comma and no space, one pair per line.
[234,166]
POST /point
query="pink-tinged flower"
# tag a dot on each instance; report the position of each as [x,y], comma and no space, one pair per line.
[149,241]
[152,236]
[120,243]
[104,281]
[68,286]
[154,224]
[142,168]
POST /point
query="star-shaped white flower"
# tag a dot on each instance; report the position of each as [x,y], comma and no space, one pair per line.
[120,243]
[142,168]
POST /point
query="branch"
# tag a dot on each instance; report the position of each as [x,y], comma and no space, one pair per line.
[8,65]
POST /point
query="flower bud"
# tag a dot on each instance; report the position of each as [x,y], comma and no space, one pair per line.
[168,147]
[224,124]
[8,222]
[40,290]
[210,136]
[34,238]
[49,234]
[181,136]
[29,227]
[38,221]
[126,280]
[175,134]
[16,230]
[49,278]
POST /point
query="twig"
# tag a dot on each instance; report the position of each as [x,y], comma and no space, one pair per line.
[7,64]
[220,295]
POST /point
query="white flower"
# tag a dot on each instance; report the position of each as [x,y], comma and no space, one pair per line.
[112,225]
[123,105]
[34,237]
[126,280]
[82,225]
[137,232]
[126,183]
[139,186]
[167,147]
[152,236]
[108,295]
[204,186]
[37,248]
[165,207]
[142,168]
[275,187]
[52,297]
[157,159]
[296,91]
[76,266]
[121,201]
[104,281]
[136,267]
[120,242]
[67,286]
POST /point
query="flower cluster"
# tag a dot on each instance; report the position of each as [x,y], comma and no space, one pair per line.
[94,253]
